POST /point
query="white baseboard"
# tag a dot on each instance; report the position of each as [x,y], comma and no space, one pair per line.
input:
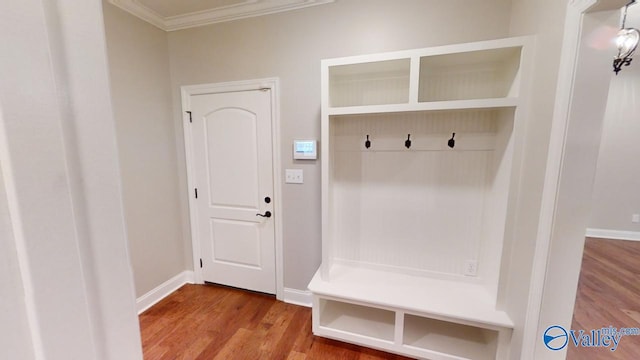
[614,234]
[144,302]
[298,297]
[163,290]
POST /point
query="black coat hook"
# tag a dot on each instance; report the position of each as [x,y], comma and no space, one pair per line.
[367,143]
[452,141]
[407,143]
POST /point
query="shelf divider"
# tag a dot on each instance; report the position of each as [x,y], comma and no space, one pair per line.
[414,80]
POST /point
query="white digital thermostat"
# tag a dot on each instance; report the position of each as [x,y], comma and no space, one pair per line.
[305,149]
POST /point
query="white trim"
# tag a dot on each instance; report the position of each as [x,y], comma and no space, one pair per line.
[163,290]
[142,12]
[216,15]
[614,234]
[193,218]
[568,60]
[65,211]
[22,250]
[243,85]
[298,297]
[277,186]
[144,302]
[576,10]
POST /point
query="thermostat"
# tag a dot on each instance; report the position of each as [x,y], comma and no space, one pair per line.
[305,149]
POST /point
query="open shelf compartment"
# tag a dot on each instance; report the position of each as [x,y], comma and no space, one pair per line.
[358,320]
[485,74]
[371,83]
[456,340]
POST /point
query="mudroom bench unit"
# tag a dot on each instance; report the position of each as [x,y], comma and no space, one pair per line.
[420,153]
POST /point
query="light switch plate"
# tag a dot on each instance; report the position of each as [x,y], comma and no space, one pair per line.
[293,176]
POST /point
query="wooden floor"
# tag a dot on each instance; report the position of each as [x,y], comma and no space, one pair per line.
[608,295]
[214,322]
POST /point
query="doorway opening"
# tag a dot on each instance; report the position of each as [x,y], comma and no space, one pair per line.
[583,85]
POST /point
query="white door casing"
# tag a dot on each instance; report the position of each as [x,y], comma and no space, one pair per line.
[230,138]
[571,164]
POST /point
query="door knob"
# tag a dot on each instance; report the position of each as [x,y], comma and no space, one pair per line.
[267,214]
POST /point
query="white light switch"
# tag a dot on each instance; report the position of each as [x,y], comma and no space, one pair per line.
[293,176]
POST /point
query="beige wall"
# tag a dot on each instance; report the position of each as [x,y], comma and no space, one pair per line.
[616,194]
[141,92]
[290,46]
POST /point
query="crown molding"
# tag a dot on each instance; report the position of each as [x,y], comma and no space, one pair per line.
[228,13]
[141,11]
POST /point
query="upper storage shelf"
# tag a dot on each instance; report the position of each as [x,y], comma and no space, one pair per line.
[373,83]
[442,78]
[486,74]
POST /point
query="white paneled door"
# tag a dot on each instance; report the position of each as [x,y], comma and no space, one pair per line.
[232,164]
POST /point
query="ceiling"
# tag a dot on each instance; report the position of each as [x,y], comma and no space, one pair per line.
[172,15]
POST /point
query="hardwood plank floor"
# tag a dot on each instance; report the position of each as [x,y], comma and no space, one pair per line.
[608,295]
[216,322]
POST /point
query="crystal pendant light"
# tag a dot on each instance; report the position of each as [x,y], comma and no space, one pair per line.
[626,42]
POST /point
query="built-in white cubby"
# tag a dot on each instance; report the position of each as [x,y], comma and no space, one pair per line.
[422,334]
[419,165]
[483,74]
[365,321]
[409,333]
[373,83]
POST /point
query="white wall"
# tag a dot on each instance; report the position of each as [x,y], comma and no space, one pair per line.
[60,172]
[141,92]
[290,46]
[545,20]
[616,194]
[15,336]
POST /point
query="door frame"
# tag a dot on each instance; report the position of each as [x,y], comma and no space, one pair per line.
[561,230]
[234,86]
